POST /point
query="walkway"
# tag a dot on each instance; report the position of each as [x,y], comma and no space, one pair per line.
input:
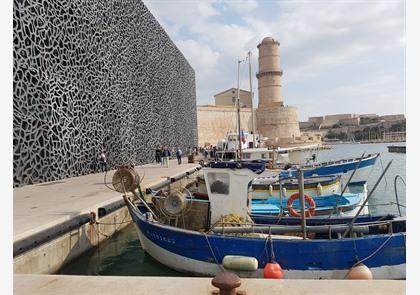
[40,206]
[63,285]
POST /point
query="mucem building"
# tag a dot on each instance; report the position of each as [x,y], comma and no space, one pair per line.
[92,75]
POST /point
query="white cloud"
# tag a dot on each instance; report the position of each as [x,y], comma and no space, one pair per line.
[200,55]
[242,6]
[316,37]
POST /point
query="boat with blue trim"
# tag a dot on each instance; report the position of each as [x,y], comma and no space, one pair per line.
[343,167]
[324,205]
[267,187]
[324,252]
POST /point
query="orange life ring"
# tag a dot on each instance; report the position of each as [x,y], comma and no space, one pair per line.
[308,213]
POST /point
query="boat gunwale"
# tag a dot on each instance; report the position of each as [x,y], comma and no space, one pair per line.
[158,224]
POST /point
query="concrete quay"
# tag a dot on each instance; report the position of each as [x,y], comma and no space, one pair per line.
[63,285]
[51,219]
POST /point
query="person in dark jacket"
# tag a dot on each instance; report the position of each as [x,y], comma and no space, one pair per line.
[166,154]
[158,156]
[178,155]
[103,161]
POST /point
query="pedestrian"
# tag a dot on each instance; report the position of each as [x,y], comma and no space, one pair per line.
[161,155]
[178,155]
[103,161]
[158,156]
[166,154]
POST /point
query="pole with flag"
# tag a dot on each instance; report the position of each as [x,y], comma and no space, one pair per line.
[243,139]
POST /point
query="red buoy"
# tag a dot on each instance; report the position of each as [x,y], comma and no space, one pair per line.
[272,270]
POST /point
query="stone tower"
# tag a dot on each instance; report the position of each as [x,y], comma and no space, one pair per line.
[274,120]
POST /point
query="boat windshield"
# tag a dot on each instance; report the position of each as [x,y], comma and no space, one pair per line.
[219,183]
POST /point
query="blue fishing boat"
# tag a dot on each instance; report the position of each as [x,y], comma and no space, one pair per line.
[343,167]
[327,252]
[267,187]
[324,205]
[270,186]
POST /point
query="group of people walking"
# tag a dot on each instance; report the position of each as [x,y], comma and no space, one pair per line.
[163,155]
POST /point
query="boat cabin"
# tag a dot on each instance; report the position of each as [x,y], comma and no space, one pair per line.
[279,157]
[227,185]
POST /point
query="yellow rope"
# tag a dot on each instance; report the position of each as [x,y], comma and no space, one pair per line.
[232,220]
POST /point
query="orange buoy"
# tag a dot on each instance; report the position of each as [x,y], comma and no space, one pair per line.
[359,272]
[272,270]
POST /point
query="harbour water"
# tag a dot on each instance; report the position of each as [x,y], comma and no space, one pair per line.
[122,255]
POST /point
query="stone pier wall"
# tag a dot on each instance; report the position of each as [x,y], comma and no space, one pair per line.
[91,75]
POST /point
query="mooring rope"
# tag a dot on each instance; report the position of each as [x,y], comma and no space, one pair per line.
[386,182]
[212,252]
[111,223]
[396,192]
[373,253]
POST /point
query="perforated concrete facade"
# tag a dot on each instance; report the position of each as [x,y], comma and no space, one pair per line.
[92,75]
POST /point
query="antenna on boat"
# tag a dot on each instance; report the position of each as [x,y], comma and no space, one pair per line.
[302,202]
[347,184]
[367,199]
[238,110]
[252,103]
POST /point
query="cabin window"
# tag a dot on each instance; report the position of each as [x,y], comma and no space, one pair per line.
[219,183]
[246,156]
[263,156]
[270,155]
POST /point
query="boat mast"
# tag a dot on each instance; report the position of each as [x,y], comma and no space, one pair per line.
[252,96]
[239,116]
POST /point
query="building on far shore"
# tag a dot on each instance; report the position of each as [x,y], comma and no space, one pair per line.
[330,120]
[395,117]
[336,120]
[349,121]
[229,96]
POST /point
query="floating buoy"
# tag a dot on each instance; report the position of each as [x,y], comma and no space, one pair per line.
[270,190]
[359,272]
[243,263]
[284,191]
[319,189]
[272,270]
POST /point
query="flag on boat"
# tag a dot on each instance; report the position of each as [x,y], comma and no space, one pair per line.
[242,136]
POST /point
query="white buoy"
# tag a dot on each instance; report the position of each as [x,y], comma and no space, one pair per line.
[284,191]
[240,263]
[319,190]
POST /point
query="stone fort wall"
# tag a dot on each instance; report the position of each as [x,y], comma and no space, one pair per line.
[214,122]
[91,75]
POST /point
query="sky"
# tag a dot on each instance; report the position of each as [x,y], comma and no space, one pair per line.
[336,56]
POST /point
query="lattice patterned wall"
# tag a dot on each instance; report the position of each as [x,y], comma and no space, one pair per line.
[92,75]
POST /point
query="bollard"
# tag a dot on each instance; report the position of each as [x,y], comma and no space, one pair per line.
[227,282]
